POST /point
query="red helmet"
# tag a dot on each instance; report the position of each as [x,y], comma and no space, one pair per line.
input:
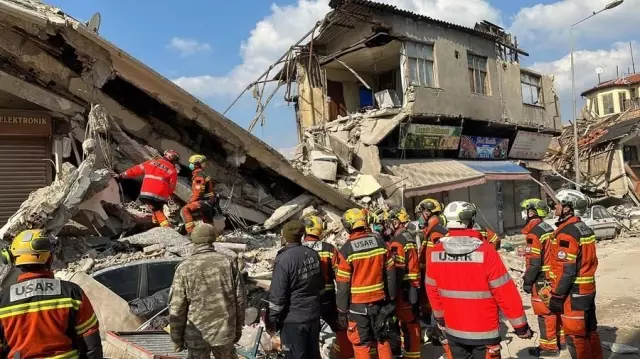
[171,156]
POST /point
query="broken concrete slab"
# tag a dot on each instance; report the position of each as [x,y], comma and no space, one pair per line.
[342,149]
[375,130]
[365,185]
[287,211]
[158,235]
[367,159]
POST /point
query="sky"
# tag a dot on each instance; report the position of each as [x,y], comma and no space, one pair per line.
[214,49]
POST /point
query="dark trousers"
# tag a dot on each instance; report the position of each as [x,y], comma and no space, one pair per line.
[301,340]
[461,351]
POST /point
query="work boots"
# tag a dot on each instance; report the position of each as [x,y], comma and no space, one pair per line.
[538,352]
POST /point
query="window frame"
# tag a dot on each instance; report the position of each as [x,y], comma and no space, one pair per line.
[596,106]
[605,108]
[418,53]
[622,99]
[526,81]
[472,65]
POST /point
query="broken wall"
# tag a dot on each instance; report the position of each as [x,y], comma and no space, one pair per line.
[607,167]
[312,106]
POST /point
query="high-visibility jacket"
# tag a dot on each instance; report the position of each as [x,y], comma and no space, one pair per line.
[201,186]
[574,261]
[468,286]
[405,252]
[490,236]
[366,271]
[537,254]
[328,260]
[44,317]
[432,234]
[160,178]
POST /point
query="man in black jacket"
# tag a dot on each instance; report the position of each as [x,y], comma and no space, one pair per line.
[294,295]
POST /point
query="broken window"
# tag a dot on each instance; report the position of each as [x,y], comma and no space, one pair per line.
[478,74]
[607,104]
[622,99]
[630,155]
[531,89]
[596,108]
[421,61]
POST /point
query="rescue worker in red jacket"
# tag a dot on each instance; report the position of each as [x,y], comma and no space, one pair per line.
[41,316]
[158,184]
[468,286]
[573,265]
[314,226]
[366,287]
[405,251]
[203,200]
[537,279]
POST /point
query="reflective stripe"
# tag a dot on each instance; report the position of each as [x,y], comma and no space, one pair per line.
[546,268]
[544,237]
[585,280]
[571,257]
[438,314]
[410,246]
[548,342]
[429,281]
[329,287]
[343,274]
[68,355]
[84,327]
[474,335]
[401,259]
[325,254]
[430,244]
[535,250]
[411,276]
[499,282]
[39,306]
[164,224]
[575,317]
[460,294]
[153,195]
[367,289]
[390,262]
[518,322]
[411,354]
[275,307]
[156,178]
[587,240]
[367,254]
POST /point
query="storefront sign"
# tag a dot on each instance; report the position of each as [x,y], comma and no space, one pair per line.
[429,137]
[483,147]
[530,145]
[25,123]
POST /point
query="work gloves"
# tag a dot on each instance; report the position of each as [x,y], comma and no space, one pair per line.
[524,332]
[527,288]
[343,320]
[556,303]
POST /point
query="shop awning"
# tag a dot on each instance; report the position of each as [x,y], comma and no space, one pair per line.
[422,177]
[499,170]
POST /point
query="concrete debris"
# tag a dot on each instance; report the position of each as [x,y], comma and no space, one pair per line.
[365,185]
[620,348]
[287,211]
[158,235]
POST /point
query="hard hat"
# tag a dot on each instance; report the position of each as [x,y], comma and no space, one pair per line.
[32,246]
[537,204]
[354,218]
[197,159]
[460,214]
[171,156]
[377,216]
[314,225]
[573,199]
[400,214]
[429,204]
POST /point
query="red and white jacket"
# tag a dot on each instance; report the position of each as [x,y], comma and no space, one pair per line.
[468,285]
[160,178]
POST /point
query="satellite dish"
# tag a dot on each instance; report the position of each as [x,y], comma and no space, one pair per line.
[599,70]
[94,23]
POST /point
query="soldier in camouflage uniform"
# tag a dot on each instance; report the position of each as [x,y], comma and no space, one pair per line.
[206,313]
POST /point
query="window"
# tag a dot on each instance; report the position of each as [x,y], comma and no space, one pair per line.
[478,74]
[530,89]
[607,104]
[597,213]
[630,155]
[160,276]
[596,108]
[420,64]
[622,100]
[122,281]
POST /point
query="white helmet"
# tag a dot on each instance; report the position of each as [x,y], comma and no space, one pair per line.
[460,214]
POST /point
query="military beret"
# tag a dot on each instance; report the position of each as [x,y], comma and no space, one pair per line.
[293,231]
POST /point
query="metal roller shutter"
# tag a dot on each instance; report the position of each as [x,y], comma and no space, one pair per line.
[23,169]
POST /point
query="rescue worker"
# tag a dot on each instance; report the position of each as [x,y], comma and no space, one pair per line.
[158,184]
[41,316]
[366,287]
[573,264]
[404,250]
[207,300]
[468,286]
[294,295]
[536,280]
[377,220]
[429,211]
[203,200]
[313,227]
[489,235]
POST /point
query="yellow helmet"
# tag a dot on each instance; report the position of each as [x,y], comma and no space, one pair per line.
[400,214]
[354,218]
[537,204]
[314,225]
[429,204]
[197,160]
[378,216]
[33,246]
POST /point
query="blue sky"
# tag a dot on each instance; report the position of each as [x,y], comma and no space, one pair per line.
[214,48]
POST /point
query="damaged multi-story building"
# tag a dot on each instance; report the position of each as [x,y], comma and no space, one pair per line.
[53,68]
[428,108]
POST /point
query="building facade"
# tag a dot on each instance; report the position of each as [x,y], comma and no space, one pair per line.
[445,111]
[613,97]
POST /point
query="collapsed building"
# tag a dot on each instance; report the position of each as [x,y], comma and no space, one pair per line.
[415,107]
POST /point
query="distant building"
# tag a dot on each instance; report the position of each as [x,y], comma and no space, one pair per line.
[613,96]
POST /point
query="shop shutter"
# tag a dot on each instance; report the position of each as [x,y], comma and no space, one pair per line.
[23,168]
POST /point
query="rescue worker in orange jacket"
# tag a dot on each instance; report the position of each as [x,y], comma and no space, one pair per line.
[489,235]
[203,200]
[468,286]
[366,287]
[405,251]
[574,264]
[314,226]
[537,279]
[158,184]
[429,212]
[41,316]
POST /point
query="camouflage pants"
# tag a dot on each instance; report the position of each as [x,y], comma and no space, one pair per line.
[220,352]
